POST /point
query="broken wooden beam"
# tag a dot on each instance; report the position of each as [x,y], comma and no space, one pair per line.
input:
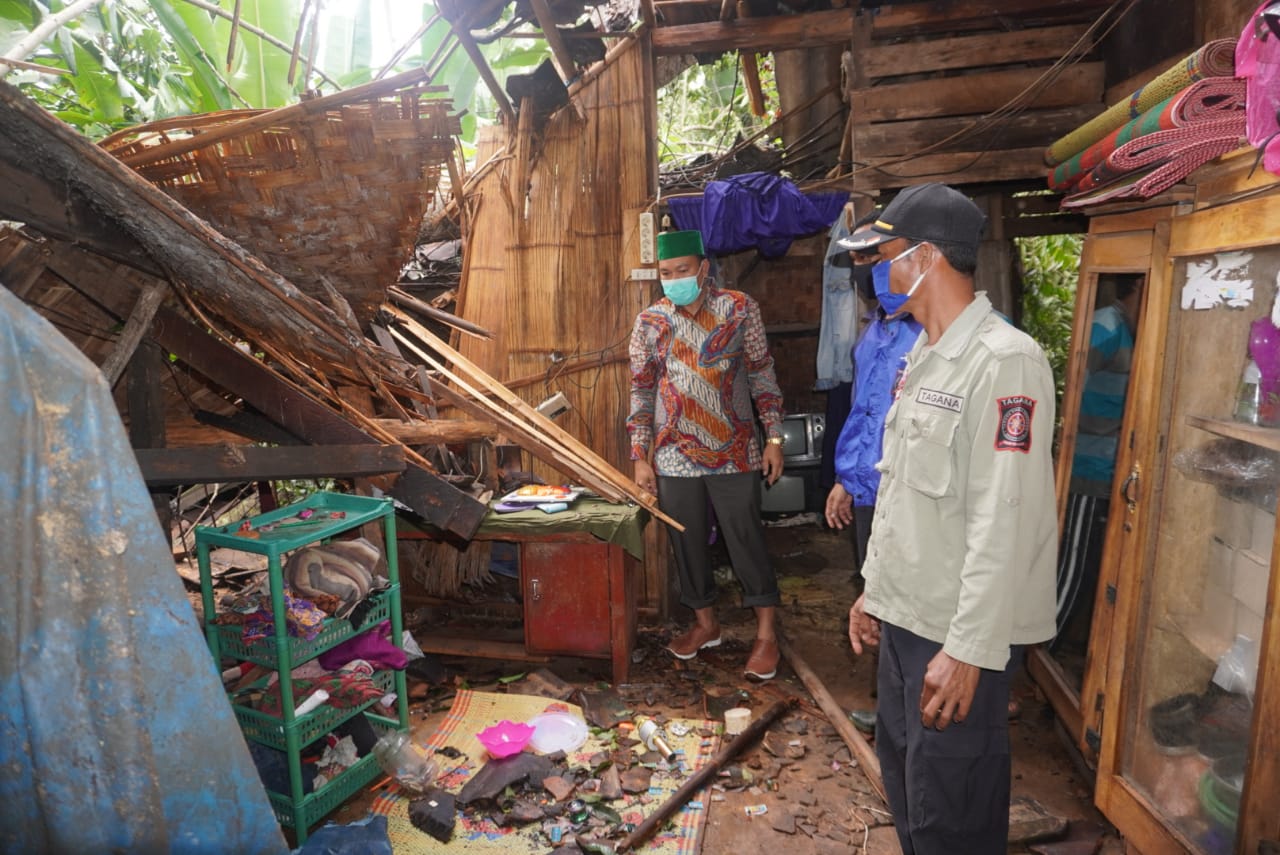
[523,422]
[406,300]
[220,464]
[858,745]
[438,431]
[698,779]
[555,41]
[134,329]
[436,500]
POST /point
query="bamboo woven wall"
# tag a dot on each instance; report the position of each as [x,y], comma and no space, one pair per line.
[547,268]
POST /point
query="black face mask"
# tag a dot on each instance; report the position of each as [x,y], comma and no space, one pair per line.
[862,281]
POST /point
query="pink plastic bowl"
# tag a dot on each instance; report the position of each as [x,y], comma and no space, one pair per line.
[505,738]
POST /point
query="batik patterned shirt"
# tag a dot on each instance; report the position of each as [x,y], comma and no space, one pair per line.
[693,381]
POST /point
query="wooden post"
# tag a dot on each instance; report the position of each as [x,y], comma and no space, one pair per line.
[559,50]
[699,778]
[139,320]
[862,751]
[486,73]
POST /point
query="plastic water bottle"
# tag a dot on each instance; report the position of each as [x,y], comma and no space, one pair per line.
[401,759]
[1250,394]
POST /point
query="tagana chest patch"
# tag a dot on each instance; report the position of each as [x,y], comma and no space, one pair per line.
[941,400]
[1014,433]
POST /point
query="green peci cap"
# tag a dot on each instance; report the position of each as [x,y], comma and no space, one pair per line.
[679,244]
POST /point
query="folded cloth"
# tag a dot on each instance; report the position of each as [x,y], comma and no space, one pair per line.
[302,619]
[374,646]
[346,690]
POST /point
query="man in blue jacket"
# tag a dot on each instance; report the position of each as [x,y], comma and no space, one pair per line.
[877,361]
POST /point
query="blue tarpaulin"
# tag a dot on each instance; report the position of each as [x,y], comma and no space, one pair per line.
[115,733]
[755,210]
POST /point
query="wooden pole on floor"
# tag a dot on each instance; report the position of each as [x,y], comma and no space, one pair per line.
[858,745]
[699,778]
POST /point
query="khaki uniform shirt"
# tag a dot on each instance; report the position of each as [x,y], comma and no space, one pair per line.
[964,544]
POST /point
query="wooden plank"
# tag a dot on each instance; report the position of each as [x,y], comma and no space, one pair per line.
[1142,220]
[781,32]
[949,15]
[439,430]
[1235,226]
[916,57]
[951,168]
[1259,819]
[212,464]
[145,398]
[134,329]
[486,73]
[1047,674]
[973,94]
[1030,128]
[559,50]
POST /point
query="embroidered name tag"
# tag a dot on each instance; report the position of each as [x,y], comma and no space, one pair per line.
[1014,433]
[942,400]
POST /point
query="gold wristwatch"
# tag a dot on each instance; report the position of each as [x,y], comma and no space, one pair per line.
[775,440]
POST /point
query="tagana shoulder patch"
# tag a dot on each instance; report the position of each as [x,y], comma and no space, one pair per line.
[1014,433]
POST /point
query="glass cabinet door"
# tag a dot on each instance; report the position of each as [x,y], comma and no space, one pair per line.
[1189,687]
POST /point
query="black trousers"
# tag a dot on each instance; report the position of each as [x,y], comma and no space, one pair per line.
[948,789]
[736,501]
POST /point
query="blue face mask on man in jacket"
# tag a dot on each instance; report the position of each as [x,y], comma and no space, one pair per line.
[890,301]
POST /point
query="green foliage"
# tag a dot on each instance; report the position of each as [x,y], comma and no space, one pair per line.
[1051,266]
[704,109]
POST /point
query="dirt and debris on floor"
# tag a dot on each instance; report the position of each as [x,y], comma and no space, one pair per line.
[798,786]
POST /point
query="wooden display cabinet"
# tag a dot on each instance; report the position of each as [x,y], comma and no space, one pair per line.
[1183,764]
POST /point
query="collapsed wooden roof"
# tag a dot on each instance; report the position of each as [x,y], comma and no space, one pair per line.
[104,254]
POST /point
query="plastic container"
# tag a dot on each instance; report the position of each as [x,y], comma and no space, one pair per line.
[400,758]
[736,720]
[1249,395]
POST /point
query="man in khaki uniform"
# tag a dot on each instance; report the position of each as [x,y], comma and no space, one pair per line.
[960,571]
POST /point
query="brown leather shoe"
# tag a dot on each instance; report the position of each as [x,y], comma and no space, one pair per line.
[694,639]
[762,664]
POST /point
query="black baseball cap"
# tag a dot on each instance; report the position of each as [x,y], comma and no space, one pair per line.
[926,212]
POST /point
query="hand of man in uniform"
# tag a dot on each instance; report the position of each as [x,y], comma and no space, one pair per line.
[644,477]
[772,463]
[949,686]
[839,507]
[864,630]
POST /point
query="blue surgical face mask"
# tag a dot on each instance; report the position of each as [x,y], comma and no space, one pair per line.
[682,291]
[889,301]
